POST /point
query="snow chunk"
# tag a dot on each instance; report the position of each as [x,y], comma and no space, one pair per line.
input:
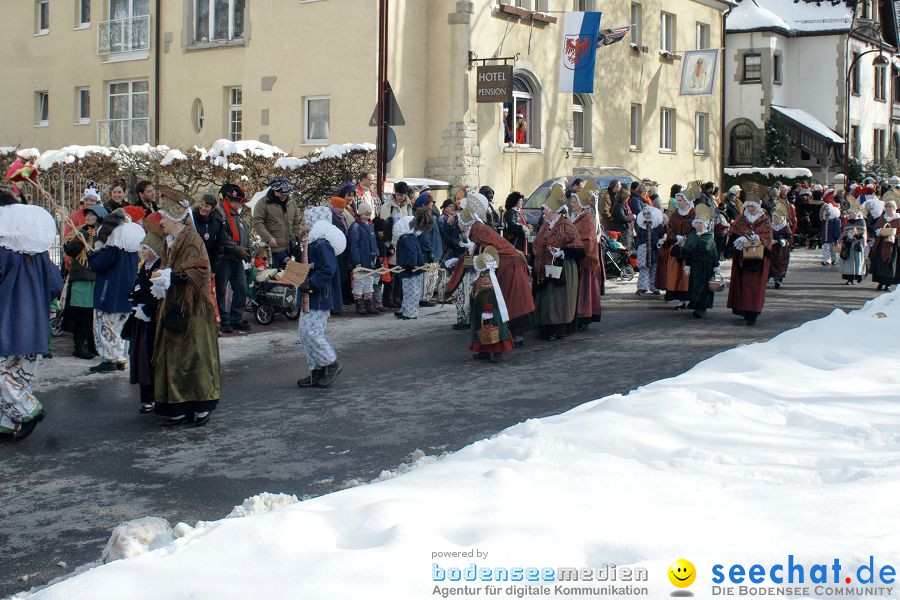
[261,504]
[290,163]
[28,153]
[789,173]
[69,155]
[172,156]
[339,150]
[136,537]
[226,148]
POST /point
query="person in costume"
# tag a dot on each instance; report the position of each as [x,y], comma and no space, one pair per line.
[557,246]
[145,309]
[488,308]
[782,239]
[515,226]
[589,274]
[409,256]
[236,250]
[187,381]
[649,227]
[362,248]
[114,261]
[78,315]
[750,267]
[872,208]
[29,281]
[854,246]
[342,216]
[325,242]
[670,275]
[883,256]
[829,233]
[701,261]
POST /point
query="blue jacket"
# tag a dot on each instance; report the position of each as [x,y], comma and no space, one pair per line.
[116,272]
[829,230]
[362,247]
[324,278]
[636,204]
[431,245]
[409,255]
[449,236]
[27,286]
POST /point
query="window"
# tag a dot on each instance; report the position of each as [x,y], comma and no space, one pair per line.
[218,20]
[854,141]
[584,5]
[129,113]
[635,127]
[635,24]
[702,36]
[84,106]
[318,120]
[752,68]
[198,115]
[42,19]
[667,129]
[879,145]
[741,146]
[667,32]
[896,146]
[581,124]
[84,13]
[701,133]
[854,81]
[880,80]
[778,69]
[522,121]
[235,113]
[42,109]
[128,28]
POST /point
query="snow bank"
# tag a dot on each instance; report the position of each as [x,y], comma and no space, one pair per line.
[787,173]
[790,447]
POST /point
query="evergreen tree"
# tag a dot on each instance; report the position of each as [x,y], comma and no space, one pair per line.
[778,148]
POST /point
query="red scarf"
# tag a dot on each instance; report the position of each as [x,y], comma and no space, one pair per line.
[235,235]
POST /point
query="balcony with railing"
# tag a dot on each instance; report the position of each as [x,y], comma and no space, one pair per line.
[124,37]
[130,132]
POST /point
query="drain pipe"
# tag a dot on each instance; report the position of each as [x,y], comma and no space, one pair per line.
[156,57]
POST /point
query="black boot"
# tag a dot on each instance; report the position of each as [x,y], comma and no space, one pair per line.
[329,374]
[370,307]
[361,307]
[312,380]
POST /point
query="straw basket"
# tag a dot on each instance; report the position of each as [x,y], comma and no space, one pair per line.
[754,251]
[468,260]
[887,232]
[716,284]
[294,273]
[488,334]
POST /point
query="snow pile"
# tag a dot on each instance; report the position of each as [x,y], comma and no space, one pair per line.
[172,156]
[787,173]
[790,447]
[789,16]
[326,153]
[226,148]
[137,537]
[291,162]
[68,155]
[28,153]
[262,503]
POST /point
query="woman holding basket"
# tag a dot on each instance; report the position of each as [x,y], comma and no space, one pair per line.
[751,235]
[883,257]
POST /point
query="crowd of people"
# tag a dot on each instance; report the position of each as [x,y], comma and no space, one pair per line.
[149,285]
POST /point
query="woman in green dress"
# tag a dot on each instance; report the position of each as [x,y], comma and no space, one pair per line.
[701,257]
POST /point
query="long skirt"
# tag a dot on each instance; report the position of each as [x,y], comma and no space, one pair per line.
[555,303]
[588,293]
[429,284]
[747,292]
[17,402]
[311,333]
[854,266]
[647,275]
[412,293]
[678,284]
[187,376]
[462,296]
[108,334]
[781,258]
[140,352]
[884,272]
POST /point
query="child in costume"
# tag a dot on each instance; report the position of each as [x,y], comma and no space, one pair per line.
[488,309]
[782,238]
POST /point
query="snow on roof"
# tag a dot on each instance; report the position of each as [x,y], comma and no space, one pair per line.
[435,184]
[810,122]
[787,173]
[789,16]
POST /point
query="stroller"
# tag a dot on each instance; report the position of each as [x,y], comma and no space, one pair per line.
[615,257]
[266,295]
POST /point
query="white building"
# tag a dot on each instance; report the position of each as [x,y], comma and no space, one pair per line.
[795,59]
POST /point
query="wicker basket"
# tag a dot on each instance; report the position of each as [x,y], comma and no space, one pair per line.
[294,273]
[887,232]
[754,251]
[488,334]
[716,284]
[468,260]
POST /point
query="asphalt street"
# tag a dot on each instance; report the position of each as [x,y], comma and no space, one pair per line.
[95,462]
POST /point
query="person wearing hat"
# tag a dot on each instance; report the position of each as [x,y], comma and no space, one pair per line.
[277,221]
[749,272]
[782,239]
[78,314]
[90,197]
[507,126]
[670,272]
[701,261]
[854,246]
[521,127]
[325,243]
[343,214]
[428,236]
[28,282]
[114,261]
[883,256]
[489,311]
[362,251]
[187,380]
[210,225]
[396,206]
[145,309]
[235,252]
[589,273]
[493,218]
[829,233]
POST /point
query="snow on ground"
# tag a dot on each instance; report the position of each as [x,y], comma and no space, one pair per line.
[789,447]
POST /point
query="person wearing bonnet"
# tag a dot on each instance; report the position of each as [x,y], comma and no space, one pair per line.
[883,258]
[489,315]
[751,235]
[145,309]
[29,281]
[782,239]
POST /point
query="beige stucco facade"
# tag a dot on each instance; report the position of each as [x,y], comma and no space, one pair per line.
[289,52]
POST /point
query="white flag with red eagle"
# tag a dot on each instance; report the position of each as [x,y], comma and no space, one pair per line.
[579,52]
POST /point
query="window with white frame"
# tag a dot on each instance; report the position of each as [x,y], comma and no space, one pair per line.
[581,124]
[752,68]
[318,120]
[218,20]
[636,23]
[83,102]
[701,133]
[84,13]
[879,145]
[880,79]
[129,113]
[667,32]
[198,115]
[42,108]
[522,120]
[702,35]
[235,113]
[854,78]
[667,129]
[635,138]
[42,16]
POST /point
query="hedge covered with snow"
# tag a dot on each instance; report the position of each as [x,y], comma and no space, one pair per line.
[251,164]
[765,176]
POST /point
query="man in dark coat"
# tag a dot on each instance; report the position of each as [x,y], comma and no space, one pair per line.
[211,227]
[235,251]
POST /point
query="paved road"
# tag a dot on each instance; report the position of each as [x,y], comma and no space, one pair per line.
[95,462]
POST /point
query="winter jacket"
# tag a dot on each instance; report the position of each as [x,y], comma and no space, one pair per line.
[390,208]
[212,230]
[273,218]
[449,237]
[707,200]
[324,279]
[430,244]
[116,272]
[641,236]
[229,245]
[830,231]
[636,203]
[73,248]
[621,219]
[409,255]
[28,283]
[362,248]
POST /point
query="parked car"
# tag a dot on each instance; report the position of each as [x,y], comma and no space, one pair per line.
[601,175]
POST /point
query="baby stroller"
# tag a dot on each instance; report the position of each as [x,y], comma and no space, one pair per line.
[615,257]
[266,296]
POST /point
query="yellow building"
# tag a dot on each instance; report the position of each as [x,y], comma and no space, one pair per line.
[301,74]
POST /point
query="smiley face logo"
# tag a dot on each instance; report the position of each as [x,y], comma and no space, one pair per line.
[682,573]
